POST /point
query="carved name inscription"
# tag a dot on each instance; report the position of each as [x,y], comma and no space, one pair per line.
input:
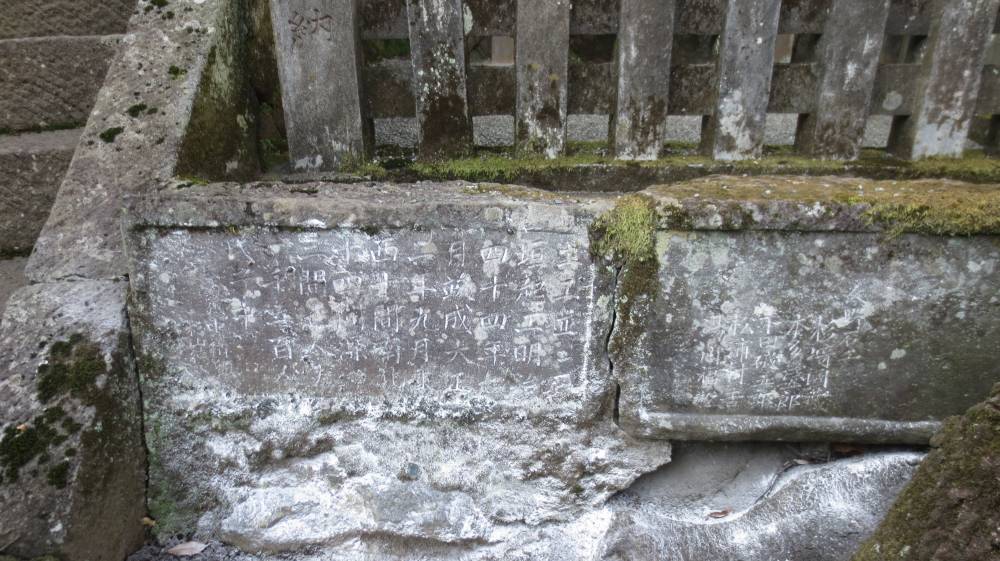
[799,336]
[343,313]
[310,23]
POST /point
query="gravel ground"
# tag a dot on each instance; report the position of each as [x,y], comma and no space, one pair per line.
[499,130]
[215,551]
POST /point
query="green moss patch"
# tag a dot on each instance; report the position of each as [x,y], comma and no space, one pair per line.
[70,372]
[110,135]
[589,166]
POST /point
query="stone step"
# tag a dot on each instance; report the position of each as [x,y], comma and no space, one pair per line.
[35,18]
[32,166]
[51,82]
[11,278]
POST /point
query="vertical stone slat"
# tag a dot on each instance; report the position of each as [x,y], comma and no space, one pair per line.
[848,54]
[949,81]
[437,47]
[542,76]
[642,66]
[735,131]
[319,63]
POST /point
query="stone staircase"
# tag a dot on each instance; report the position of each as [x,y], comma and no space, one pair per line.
[53,58]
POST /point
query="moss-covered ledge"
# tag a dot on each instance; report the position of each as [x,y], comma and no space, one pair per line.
[932,206]
[588,167]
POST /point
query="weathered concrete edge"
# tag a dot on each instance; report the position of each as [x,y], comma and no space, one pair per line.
[324,206]
[119,153]
[209,205]
[681,426]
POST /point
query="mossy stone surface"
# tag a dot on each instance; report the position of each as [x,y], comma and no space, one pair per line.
[950,511]
[70,431]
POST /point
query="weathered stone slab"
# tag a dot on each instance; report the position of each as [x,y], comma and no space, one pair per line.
[51,81]
[542,76]
[848,55]
[319,61]
[949,81]
[72,462]
[492,304]
[31,168]
[735,130]
[390,361]
[810,336]
[639,120]
[437,44]
[31,18]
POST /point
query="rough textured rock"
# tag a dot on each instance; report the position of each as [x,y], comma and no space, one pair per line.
[71,457]
[11,278]
[731,501]
[51,81]
[159,67]
[31,168]
[31,18]
[951,509]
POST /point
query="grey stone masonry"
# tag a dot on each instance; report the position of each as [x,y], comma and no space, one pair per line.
[949,80]
[72,463]
[408,355]
[437,44]
[735,130]
[319,62]
[51,81]
[31,168]
[32,18]
[542,76]
[848,55]
[645,40]
[322,360]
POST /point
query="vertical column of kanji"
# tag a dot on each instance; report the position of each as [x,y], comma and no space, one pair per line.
[437,44]
[542,76]
[949,81]
[642,67]
[320,65]
[735,131]
[848,52]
